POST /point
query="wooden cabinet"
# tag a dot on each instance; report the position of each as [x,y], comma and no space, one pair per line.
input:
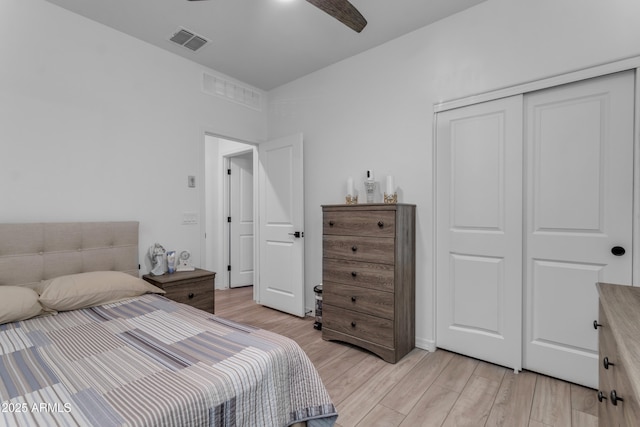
[195,288]
[619,355]
[368,277]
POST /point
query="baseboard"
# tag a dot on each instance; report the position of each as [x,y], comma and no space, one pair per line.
[425,344]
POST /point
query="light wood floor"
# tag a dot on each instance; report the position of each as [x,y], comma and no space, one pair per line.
[423,389]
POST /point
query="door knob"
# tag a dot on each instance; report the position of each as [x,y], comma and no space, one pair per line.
[618,250]
[296,234]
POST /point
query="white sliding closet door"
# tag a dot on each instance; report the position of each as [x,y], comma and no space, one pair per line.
[479,231]
[579,141]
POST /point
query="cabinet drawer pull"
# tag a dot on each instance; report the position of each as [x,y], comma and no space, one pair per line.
[353,299]
[601,396]
[596,324]
[191,295]
[331,223]
[354,248]
[615,398]
[380,224]
[606,363]
[353,325]
[354,274]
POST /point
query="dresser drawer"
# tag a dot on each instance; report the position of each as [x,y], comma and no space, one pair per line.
[354,248]
[357,273]
[360,223]
[198,294]
[375,303]
[630,412]
[359,325]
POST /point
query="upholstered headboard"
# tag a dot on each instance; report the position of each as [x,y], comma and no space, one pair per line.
[30,253]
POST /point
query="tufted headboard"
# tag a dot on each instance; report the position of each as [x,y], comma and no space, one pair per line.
[32,252]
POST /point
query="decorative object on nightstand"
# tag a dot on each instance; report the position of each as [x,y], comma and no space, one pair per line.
[184,262]
[368,277]
[195,288]
[157,254]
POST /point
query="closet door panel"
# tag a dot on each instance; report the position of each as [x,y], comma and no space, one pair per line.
[579,140]
[479,237]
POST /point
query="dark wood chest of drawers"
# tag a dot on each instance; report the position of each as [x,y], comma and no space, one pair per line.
[368,277]
[195,288]
[619,350]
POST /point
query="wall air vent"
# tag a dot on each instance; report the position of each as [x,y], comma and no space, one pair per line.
[232,91]
[188,39]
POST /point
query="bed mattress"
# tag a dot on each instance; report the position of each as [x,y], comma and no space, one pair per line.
[148,361]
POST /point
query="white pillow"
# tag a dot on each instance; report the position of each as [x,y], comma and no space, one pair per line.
[90,289]
[18,303]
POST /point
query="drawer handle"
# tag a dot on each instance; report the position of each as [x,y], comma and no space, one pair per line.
[354,274]
[354,248]
[331,223]
[601,396]
[606,363]
[380,224]
[615,399]
[353,299]
[191,295]
[596,324]
[353,325]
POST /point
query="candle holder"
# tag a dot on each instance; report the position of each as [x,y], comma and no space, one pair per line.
[391,198]
[351,200]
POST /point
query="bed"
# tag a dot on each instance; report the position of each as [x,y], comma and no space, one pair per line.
[85,342]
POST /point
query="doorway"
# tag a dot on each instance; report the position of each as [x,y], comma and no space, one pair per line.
[240,219]
[278,249]
[218,152]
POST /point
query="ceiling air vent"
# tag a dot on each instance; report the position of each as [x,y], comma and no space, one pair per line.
[188,39]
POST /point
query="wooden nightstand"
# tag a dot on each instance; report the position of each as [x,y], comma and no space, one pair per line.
[189,287]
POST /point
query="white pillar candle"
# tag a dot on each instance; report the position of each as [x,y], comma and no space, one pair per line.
[350,186]
[391,188]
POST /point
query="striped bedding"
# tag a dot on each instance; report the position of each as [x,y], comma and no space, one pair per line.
[148,361]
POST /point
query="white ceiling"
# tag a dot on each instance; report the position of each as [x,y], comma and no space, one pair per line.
[264,43]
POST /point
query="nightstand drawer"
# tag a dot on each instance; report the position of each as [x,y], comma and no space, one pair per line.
[195,288]
[363,326]
[363,300]
[353,248]
[196,294]
[360,223]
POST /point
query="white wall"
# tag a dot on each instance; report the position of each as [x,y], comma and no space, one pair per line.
[96,125]
[375,110]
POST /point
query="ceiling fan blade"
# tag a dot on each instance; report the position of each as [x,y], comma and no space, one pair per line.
[343,11]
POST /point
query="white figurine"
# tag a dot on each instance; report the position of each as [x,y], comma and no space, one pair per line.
[157,255]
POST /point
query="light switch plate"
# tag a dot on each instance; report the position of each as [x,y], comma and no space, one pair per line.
[189,218]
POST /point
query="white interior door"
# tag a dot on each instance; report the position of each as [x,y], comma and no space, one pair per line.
[479,231]
[579,206]
[241,224]
[281,225]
